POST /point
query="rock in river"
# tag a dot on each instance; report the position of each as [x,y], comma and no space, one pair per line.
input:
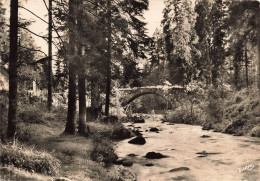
[139,140]
[205,136]
[154,155]
[139,121]
[132,155]
[154,129]
[127,163]
[179,169]
[149,164]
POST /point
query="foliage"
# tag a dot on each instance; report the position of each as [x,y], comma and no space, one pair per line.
[103,151]
[29,159]
[180,37]
[3,36]
[215,106]
[3,113]
[114,131]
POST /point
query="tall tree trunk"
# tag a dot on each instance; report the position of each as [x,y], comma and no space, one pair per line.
[236,71]
[95,95]
[246,65]
[82,104]
[13,69]
[108,82]
[49,102]
[81,81]
[71,115]
[258,45]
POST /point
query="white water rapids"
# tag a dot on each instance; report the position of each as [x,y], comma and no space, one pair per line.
[233,159]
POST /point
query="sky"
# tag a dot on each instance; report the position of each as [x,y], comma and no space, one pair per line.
[153,17]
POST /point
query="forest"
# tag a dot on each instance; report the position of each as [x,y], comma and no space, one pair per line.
[89,107]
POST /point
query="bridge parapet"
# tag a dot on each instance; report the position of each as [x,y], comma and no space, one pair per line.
[164,91]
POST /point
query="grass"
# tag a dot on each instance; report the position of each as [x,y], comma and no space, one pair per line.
[29,159]
[70,156]
[113,131]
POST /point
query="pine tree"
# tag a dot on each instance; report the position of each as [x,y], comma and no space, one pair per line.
[11,129]
[71,115]
[3,35]
[49,101]
[217,51]
[203,64]
[241,26]
[178,25]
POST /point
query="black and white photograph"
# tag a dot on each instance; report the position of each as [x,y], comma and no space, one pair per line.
[130,90]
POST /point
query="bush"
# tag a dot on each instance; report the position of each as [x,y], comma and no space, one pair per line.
[103,151]
[182,116]
[120,132]
[215,106]
[31,115]
[29,159]
[3,113]
[111,131]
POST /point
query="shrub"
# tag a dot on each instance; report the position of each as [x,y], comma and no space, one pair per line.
[215,106]
[120,132]
[182,116]
[103,151]
[29,159]
[31,115]
[3,113]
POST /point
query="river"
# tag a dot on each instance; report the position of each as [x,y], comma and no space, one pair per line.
[224,157]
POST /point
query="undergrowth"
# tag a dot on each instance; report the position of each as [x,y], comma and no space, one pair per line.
[229,111]
[29,159]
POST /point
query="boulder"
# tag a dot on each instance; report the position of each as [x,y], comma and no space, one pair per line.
[206,128]
[256,131]
[119,161]
[139,121]
[120,132]
[154,155]
[137,132]
[154,129]
[164,121]
[179,169]
[132,155]
[139,140]
[205,136]
[149,164]
[127,163]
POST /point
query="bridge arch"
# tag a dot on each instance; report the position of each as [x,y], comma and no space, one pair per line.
[124,104]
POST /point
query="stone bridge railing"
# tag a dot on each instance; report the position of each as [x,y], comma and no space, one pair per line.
[130,94]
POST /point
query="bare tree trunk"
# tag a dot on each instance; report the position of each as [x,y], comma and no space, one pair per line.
[71,115]
[49,102]
[108,83]
[13,69]
[246,65]
[95,95]
[82,104]
[258,45]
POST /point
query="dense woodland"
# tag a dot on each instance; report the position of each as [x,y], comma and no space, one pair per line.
[210,48]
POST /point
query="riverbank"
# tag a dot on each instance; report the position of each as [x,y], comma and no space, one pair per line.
[40,150]
[79,158]
[232,112]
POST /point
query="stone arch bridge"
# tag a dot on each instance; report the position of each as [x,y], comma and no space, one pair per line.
[128,95]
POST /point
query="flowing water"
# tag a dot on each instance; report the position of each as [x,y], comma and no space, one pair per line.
[224,157]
